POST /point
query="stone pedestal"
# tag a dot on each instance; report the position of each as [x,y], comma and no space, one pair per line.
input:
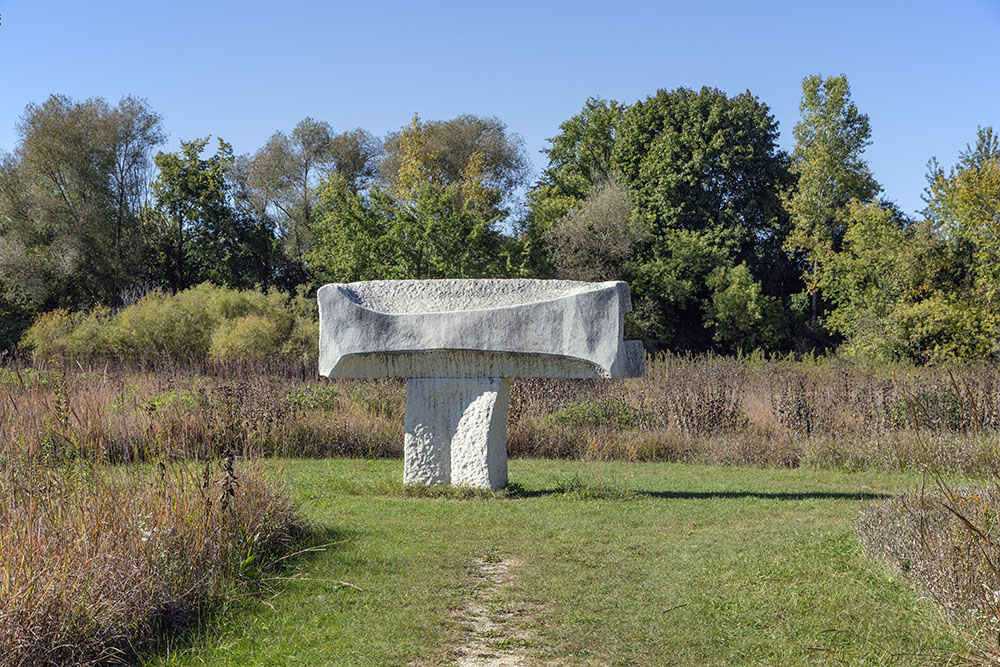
[456,432]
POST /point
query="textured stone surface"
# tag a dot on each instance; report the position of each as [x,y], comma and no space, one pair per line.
[456,432]
[496,328]
[457,341]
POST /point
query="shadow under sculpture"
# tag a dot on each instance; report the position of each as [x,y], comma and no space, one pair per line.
[458,342]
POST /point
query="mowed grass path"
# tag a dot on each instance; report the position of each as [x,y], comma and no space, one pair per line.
[621,564]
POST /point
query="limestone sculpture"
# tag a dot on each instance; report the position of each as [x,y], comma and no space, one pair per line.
[458,342]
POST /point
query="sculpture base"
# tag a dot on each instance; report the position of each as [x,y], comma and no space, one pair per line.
[456,432]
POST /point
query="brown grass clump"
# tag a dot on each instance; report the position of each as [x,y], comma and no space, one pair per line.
[97,562]
[948,542]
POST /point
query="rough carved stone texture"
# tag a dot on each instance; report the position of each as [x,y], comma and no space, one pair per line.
[457,341]
[456,432]
[476,328]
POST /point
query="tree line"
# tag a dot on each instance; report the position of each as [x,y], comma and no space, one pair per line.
[729,243]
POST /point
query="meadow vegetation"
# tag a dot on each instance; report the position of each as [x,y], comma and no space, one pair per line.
[709,409]
[205,322]
[99,562]
[610,563]
[70,423]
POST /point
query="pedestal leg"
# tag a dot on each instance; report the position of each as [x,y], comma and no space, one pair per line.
[456,432]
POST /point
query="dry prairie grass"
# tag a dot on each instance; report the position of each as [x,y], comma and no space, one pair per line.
[96,564]
[100,561]
[726,410]
[695,409]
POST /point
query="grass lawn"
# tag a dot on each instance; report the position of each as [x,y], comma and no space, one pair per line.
[613,563]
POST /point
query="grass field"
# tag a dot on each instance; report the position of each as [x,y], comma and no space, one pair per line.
[602,563]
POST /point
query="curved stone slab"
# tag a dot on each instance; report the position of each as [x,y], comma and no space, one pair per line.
[476,329]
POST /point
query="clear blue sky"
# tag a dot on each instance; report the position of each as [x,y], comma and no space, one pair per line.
[926,72]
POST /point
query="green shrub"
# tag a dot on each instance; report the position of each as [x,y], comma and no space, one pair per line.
[203,322]
[249,337]
[600,413]
[89,337]
[303,339]
[314,397]
[46,337]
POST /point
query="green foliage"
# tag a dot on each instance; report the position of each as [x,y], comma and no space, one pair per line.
[881,268]
[669,285]
[891,294]
[434,214]
[941,328]
[702,160]
[923,292]
[47,336]
[249,337]
[600,413]
[442,152]
[203,322]
[14,320]
[71,198]
[741,316]
[964,207]
[830,138]
[202,236]
[727,243]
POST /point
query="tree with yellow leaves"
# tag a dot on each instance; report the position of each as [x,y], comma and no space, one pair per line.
[436,210]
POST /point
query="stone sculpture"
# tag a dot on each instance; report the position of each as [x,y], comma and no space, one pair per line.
[458,343]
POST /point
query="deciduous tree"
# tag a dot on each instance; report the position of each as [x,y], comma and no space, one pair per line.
[579,160]
[283,175]
[704,172]
[830,139]
[203,235]
[434,211]
[441,153]
[71,197]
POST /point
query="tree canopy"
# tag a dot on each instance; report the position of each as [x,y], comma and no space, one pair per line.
[728,243]
[829,141]
[71,201]
[434,210]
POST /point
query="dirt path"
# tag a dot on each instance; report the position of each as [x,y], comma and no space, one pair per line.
[496,633]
